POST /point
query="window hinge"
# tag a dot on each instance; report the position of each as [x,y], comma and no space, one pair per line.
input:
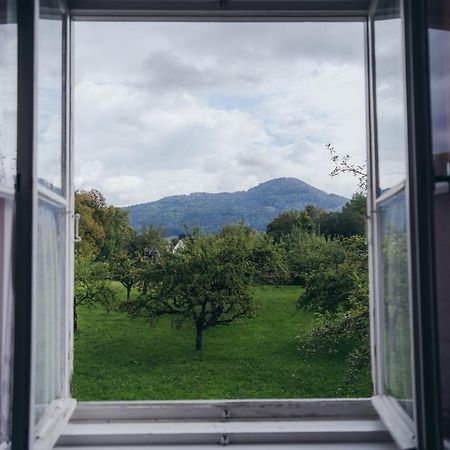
[224,440]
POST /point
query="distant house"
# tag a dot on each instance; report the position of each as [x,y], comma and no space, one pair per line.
[179,246]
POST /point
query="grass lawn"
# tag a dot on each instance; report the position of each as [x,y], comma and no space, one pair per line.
[118,358]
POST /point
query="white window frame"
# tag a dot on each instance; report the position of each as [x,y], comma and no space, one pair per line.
[6,329]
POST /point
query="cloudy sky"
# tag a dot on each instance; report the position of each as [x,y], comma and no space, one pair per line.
[174,108]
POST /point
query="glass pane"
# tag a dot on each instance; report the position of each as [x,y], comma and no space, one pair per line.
[8,145]
[395,293]
[8,94]
[391,120]
[50,69]
[49,305]
[6,220]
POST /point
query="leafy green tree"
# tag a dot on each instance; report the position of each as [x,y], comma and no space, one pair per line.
[306,252]
[92,231]
[348,222]
[91,286]
[285,223]
[125,268]
[148,243]
[207,283]
[329,285]
[103,229]
[267,257]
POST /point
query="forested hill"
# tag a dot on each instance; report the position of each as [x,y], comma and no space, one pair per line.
[257,207]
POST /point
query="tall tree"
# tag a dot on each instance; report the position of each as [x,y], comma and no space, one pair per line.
[103,228]
[208,282]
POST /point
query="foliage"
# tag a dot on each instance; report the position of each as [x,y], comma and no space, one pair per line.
[91,285]
[208,282]
[308,251]
[103,228]
[149,243]
[125,269]
[130,264]
[348,222]
[329,286]
[285,223]
[342,319]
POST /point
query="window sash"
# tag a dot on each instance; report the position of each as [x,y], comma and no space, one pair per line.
[27,433]
[398,422]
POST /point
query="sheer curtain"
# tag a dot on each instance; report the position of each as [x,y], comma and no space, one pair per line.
[49,305]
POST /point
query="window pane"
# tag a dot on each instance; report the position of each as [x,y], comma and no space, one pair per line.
[6,220]
[50,96]
[49,305]
[8,145]
[389,95]
[395,294]
[8,94]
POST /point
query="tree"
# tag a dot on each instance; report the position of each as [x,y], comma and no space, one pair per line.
[125,268]
[207,283]
[91,285]
[329,285]
[103,229]
[348,222]
[307,252]
[285,222]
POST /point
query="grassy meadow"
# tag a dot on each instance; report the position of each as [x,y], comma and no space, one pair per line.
[118,358]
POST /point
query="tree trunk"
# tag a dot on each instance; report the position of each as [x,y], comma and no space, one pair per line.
[198,339]
[128,293]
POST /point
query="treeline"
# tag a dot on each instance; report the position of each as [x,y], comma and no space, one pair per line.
[207,279]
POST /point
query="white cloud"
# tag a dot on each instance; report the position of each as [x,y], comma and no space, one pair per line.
[173,108]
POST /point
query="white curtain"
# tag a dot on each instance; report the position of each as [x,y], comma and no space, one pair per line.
[49,305]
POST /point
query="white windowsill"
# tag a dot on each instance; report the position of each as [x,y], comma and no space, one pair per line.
[265,424]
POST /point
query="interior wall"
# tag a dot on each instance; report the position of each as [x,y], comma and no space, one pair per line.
[442,220]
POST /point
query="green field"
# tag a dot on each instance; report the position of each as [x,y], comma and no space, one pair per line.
[118,358]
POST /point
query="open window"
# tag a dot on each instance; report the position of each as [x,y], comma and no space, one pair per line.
[401,292]
[389,194]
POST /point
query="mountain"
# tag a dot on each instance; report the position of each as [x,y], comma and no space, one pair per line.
[257,207]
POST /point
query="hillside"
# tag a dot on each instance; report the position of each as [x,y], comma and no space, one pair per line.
[257,207]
